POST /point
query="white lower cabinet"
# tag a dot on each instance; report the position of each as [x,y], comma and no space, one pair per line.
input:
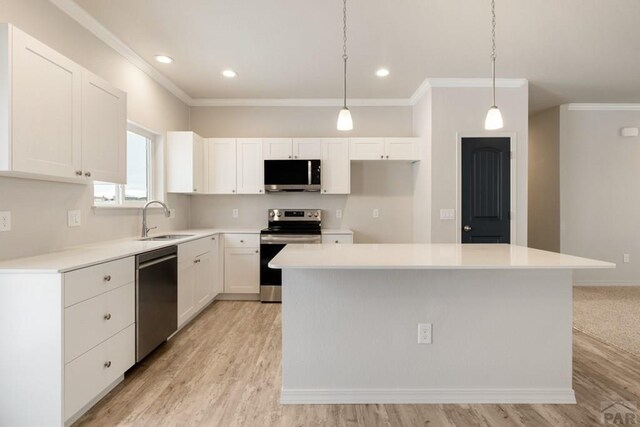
[87,376]
[337,238]
[242,270]
[199,278]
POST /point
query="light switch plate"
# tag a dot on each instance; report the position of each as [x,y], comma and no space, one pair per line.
[376,213]
[338,213]
[74,218]
[235,213]
[425,332]
[625,258]
[447,214]
[172,213]
[5,221]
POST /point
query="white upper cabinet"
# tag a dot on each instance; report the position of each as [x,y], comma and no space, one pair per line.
[307,148]
[185,165]
[221,165]
[57,120]
[336,166]
[385,149]
[104,130]
[402,148]
[250,169]
[277,148]
[366,148]
[43,104]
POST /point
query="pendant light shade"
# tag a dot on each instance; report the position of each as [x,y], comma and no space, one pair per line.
[344,120]
[494,119]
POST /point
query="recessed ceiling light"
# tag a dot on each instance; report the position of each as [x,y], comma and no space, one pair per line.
[229,73]
[164,59]
[382,72]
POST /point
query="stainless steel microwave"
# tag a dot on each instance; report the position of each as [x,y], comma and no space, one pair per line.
[291,175]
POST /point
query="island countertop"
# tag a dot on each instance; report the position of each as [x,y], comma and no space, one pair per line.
[427,256]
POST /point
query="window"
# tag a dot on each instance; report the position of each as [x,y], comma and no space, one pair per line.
[140,160]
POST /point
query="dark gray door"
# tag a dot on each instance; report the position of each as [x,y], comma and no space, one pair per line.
[486,190]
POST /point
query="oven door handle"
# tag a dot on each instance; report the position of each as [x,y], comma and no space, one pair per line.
[283,239]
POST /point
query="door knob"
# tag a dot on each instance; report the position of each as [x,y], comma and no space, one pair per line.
[467,228]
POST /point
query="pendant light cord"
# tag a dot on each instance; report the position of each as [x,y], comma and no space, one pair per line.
[493,48]
[344,47]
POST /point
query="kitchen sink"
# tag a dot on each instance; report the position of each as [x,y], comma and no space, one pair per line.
[165,237]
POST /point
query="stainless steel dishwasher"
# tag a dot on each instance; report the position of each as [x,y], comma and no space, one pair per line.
[156,299]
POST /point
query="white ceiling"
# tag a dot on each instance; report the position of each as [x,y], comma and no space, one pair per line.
[569,50]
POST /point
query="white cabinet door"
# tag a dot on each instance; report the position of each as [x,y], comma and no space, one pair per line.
[45,110]
[336,166]
[186,290]
[104,130]
[242,270]
[221,165]
[203,287]
[402,148]
[217,277]
[307,148]
[366,148]
[250,169]
[185,162]
[277,148]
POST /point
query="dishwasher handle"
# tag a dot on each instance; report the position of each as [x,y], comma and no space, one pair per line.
[156,261]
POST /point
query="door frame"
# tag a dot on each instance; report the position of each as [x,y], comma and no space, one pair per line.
[513,138]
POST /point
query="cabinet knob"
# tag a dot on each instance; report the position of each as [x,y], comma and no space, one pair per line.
[241,241]
[256,251]
[260,190]
[107,316]
[79,173]
[213,238]
[324,190]
[195,190]
[233,191]
[289,156]
[382,157]
[107,278]
[336,241]
[387,156]
[87,174]
[295,157]
[107,364]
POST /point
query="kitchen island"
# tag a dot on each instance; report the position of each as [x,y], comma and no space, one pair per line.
[497,320]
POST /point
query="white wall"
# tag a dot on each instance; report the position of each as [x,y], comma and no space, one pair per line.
[422,171]
[39,208]
[386,186]
[599,197]
[458,110]
[544,180]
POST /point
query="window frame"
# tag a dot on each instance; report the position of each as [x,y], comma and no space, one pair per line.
[154,173]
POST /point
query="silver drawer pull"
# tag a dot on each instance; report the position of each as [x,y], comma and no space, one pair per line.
[107,364]
[107,278]
[107,316]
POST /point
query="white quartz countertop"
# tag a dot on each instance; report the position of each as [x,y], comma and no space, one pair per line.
[97,253]
[427,256]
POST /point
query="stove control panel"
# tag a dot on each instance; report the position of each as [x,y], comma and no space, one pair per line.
[314,215]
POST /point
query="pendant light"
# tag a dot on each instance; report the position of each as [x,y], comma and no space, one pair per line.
[344,118]
[494,117]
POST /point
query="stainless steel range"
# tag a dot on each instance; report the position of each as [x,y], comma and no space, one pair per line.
[285,226]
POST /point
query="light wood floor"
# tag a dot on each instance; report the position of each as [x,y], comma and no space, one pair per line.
[224,370]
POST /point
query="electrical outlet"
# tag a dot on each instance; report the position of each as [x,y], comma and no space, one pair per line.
[425,332]
[338,213]
[625,258]
[5,221]
[447,214]
[376,213]
[74,218]
[235,213]
[172,213]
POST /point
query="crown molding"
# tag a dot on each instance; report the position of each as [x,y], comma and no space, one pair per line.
[76,12]
[299,102]
[603,107]
[83,18]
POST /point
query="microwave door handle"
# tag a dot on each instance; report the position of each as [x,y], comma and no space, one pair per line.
[308,172]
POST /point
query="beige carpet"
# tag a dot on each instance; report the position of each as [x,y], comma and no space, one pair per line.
[609,313]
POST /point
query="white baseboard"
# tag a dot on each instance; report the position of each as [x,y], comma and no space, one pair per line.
[398,396]
[238,297]
[75,417]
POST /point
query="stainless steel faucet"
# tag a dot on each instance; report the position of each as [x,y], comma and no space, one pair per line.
[167,213]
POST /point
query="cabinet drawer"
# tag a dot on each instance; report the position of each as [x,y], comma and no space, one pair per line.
[337,238]
[80,285]
[89,374]
[90,322]
[241,240]
[188,251]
